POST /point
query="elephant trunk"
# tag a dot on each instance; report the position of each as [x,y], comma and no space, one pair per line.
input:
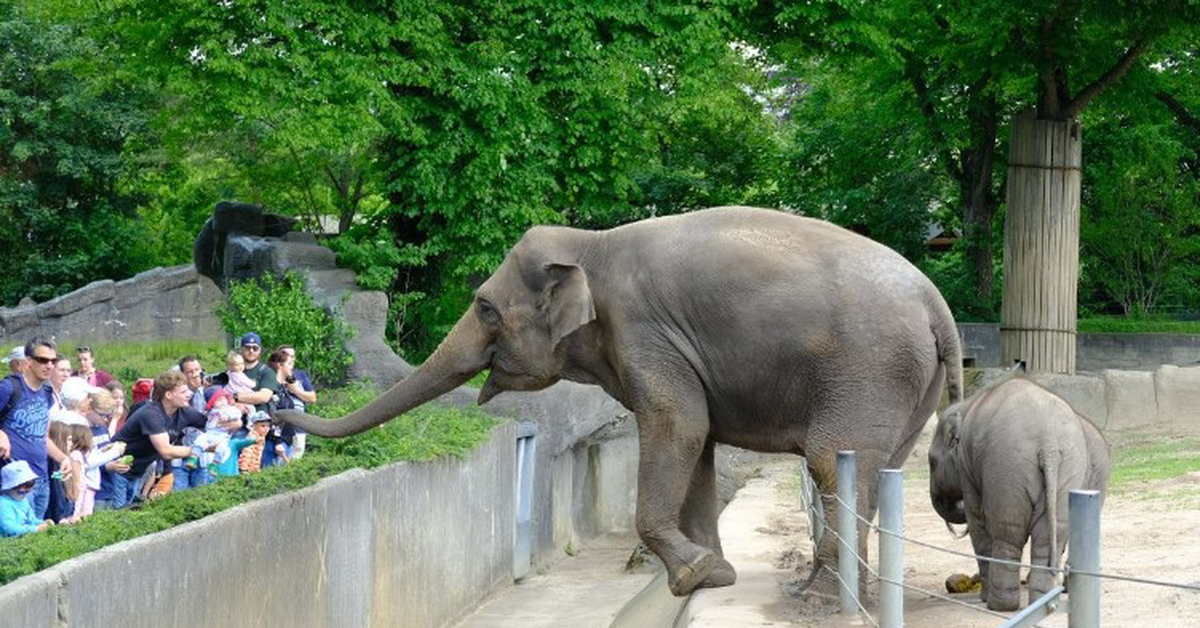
[462,354]
[950,510]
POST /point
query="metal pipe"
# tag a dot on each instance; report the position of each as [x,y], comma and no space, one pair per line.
[891,548]
[1084,556]
[847,524]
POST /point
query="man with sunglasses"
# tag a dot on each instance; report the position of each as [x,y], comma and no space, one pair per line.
[25,402]
[265,382]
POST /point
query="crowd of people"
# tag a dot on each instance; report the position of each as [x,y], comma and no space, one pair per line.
[69,446]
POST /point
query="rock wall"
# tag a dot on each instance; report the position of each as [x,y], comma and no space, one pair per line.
[159,304]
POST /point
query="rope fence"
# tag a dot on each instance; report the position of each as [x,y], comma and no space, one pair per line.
[1081,572]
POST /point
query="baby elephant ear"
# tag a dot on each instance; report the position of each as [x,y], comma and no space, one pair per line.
[569,299]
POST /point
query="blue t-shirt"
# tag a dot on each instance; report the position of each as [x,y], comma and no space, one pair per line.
[26,424]
[16,517]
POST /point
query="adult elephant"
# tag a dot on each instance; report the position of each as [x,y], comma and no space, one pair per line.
[751,327]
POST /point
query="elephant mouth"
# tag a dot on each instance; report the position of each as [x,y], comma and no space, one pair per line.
[952,511]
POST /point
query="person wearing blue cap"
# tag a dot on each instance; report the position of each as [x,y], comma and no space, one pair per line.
[17,518]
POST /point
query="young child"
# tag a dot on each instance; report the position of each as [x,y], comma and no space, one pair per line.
[16,514]
[238,381]
[251,457]
[63,488]
[223,420]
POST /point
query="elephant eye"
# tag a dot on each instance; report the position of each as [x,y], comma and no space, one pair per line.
[488,312]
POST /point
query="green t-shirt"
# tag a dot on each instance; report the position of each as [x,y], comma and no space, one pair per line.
[263,376]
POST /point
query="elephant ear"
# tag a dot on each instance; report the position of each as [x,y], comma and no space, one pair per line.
[569,300]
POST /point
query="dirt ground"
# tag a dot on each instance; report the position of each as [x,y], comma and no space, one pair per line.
[1148,530]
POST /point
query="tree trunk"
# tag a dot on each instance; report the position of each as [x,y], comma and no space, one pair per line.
[1041,244]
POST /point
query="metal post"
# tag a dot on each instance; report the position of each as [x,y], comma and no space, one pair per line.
[818,507]
[847,524]
[1084,555]
[891,548]
[810,497]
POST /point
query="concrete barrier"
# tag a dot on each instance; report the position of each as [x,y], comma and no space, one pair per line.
[1168,397]
[1093,351]
[411,544]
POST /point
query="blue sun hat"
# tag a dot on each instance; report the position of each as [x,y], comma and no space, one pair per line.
[16,474]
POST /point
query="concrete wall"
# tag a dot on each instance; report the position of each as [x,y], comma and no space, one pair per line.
[159,304]
[1094,352]
[407,545]
[1167,397]
[412,544]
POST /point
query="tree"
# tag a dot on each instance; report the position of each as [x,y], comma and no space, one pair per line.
[981,62]
[66,212]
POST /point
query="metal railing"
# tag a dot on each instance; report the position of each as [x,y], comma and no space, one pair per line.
[1082,569]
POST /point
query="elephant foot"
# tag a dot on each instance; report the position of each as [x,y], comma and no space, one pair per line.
[722,575]
[1004,601]
[822,585]
[685,578]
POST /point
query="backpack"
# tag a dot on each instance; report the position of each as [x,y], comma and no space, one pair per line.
[18,390]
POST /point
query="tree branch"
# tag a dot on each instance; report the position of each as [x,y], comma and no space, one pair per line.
[1182,115]
[1106,80]
[929,112]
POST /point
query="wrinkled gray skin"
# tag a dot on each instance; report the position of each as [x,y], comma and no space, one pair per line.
[1004,462]
[744,326]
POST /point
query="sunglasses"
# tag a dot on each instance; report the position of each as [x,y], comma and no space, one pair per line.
[252,347]
[41,359]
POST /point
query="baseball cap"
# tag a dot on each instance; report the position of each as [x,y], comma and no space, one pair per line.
[18,353]
[259,416]
[75,389]
[250,338]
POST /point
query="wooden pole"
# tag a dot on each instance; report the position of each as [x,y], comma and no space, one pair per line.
[1041,244]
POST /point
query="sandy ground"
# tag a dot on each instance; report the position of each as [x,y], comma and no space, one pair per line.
[1151,530]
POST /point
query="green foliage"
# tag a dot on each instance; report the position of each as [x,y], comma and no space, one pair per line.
[66,218]
[1137,325]
[955,281]
[1139,193]
[430,434]
[282,312]
[857,157]
[128,361]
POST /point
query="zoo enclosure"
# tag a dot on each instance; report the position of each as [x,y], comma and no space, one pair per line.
[1082,568]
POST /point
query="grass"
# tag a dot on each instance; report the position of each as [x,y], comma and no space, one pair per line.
[423,434]
[1154,459]
[1134,325]
[128,361]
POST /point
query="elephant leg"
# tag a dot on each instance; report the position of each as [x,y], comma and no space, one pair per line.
[823,469]
[671,439]
[1004,581]
[700,514]
[1040,580]
[981,543]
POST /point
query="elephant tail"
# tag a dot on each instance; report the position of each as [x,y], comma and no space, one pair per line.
[949,349]
[1050,459]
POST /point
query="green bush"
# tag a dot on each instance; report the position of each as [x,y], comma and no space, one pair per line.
[423,434]
[282,312]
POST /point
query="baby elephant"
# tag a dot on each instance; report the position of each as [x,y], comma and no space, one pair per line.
[1004,462]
